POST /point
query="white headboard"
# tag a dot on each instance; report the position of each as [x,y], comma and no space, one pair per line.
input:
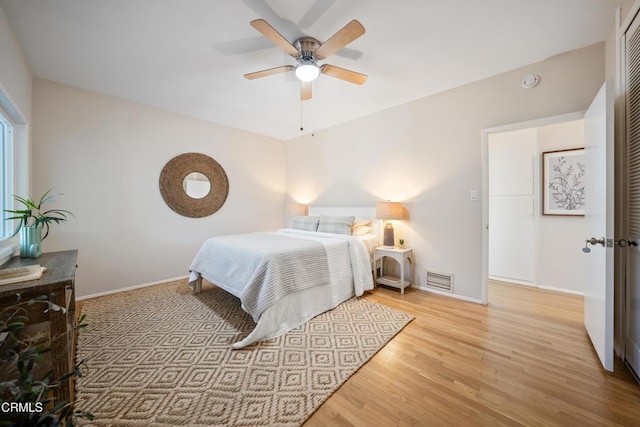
[358,212]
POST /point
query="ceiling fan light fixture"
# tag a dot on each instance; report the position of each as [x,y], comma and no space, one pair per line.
[307,71]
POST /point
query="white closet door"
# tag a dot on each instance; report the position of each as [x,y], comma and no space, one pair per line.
[632,327]
[512,235]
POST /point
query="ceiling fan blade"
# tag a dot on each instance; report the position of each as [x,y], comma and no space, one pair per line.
[341,73]
[305,91]
[346,35]
[314,13]
[269,72]
[276,38]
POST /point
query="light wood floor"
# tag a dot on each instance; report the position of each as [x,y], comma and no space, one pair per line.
[525,359]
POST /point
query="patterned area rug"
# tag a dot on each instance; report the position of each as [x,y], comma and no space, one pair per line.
[162,356]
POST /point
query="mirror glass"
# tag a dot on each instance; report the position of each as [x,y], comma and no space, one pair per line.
[196,185]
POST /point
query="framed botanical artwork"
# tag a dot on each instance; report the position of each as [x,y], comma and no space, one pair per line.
[563,182]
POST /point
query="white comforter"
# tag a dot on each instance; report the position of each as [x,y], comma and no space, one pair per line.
[348,273]
[262,267]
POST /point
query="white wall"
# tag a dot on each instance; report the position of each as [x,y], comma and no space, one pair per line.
[106,155]
[561,238]
[15,77]
[15,102]
[427,154]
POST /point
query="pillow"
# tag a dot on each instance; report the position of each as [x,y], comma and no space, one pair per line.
[335,224]
[361,221]
[360,230]
[307,223]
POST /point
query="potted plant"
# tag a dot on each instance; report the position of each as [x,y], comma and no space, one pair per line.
[22,378]
[33,220]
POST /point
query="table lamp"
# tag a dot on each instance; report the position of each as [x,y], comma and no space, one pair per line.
[299,209]
[388,211]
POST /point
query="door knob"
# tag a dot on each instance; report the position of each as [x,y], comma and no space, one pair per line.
[593,241]
[624,243]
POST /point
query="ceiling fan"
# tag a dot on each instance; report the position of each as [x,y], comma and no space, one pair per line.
[308,51]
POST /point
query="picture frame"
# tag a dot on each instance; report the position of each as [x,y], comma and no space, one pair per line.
[563,184]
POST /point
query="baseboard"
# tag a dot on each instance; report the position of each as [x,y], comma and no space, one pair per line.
[533,285]
[513,281]
[130,288]
[447,294]
[564,291]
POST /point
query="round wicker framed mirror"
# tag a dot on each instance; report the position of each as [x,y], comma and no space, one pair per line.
[178,180]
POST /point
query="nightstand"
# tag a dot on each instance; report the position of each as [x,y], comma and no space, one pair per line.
[402,256]
[58,284]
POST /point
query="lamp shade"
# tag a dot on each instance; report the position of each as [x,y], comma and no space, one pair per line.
[307,71]
[299,209]
[389,210]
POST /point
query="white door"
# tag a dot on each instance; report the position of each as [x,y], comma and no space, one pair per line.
[599,186]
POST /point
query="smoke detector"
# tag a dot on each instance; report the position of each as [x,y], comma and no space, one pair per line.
[530,81]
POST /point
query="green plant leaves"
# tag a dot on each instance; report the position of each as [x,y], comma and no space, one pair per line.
[33,213]
[25,387]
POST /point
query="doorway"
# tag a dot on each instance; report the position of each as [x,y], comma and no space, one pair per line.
[520,245]
[513,196]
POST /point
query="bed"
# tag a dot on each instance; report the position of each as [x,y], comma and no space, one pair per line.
[286,277]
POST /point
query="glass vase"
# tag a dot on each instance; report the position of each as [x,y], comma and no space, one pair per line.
[31,241]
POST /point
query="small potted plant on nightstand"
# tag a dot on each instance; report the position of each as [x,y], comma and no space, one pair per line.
[401,241]
[33,220]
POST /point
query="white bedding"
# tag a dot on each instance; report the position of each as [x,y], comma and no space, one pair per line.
[349,274]
[371,242]
[260,268]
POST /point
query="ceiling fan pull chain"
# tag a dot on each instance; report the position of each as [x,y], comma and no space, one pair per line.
[313,118]
[301,116]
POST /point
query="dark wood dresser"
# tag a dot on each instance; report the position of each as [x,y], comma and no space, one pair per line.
[58,284]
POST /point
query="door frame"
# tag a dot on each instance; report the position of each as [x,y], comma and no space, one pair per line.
[484,280]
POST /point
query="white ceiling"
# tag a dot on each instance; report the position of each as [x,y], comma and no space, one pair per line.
[189,56]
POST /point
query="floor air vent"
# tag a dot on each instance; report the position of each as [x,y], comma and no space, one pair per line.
[440,281]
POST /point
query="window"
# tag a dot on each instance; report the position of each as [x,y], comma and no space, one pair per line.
[6,174]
